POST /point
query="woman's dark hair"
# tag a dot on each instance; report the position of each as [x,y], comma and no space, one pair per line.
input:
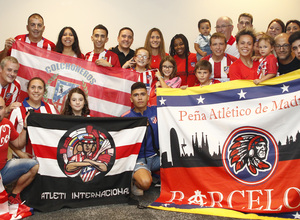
[36,78]
[186,52]
[75,47]
[67,108]
[171,60]
[280,22]
[292,21]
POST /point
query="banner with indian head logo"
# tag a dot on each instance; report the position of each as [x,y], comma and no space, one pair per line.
[107,88]
[83,161]
[231,149]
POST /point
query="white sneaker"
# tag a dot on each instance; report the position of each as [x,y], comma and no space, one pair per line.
[136,191]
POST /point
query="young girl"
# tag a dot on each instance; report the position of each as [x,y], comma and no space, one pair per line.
[186,61]
[268,64]
[68,43]
[76,103]
[166,77]
[202,42]
[156,45]
[203,70]
[141,64]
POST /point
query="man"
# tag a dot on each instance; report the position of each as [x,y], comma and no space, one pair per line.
[22,170]
[35,27]
[10,86]
[287,61]
[224,25]
[245,20]
[148,158]
[125,39]
[100,55]
[294,40]
[219,60]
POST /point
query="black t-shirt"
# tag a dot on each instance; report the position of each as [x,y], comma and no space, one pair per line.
[122,58]
[294,65]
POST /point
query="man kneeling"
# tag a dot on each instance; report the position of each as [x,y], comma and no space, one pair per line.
[22,170]
[148,158]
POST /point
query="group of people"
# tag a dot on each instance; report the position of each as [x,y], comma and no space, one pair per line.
[220,57]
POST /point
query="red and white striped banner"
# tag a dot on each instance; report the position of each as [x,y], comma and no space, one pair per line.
[108,89]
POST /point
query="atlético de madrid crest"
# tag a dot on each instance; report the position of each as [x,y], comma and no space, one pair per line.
[250,155]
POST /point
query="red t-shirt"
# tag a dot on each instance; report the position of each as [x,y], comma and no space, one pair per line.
[7,133]
[155,61]
[267,65]
[238,70]
[186,79]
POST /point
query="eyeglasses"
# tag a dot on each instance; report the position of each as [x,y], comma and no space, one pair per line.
[285,46]
[142,56]
[222,26]
[168,67]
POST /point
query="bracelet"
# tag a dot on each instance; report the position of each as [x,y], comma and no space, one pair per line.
[160,77]
[25,128]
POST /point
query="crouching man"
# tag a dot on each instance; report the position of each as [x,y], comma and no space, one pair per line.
[148,158]
[22,170]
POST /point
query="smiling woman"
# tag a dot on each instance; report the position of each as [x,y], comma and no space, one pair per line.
[68,43]
[36,90]
[244,67]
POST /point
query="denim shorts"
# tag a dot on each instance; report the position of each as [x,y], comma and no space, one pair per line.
[153,163]
[15,168]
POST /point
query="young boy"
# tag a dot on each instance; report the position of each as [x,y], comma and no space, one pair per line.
[203,70]
[268,64]
[100,55]
[202,42]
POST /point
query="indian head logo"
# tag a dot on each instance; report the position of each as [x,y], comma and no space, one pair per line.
[85,153]
[250,155]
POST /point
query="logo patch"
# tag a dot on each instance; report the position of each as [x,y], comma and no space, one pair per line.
[250,155]
[86,153]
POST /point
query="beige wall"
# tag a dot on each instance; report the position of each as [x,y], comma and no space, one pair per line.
[171,16]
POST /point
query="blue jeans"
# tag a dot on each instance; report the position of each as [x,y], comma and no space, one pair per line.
[15,168]
[153,163]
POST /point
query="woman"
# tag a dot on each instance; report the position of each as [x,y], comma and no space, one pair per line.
[185,60]
[76,103]
[156,45]
[292,26]
[68,43]
[36,89]
[275,27]
[244,67]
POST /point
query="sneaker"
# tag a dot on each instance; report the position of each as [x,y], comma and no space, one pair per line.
[136,191]
[16,200]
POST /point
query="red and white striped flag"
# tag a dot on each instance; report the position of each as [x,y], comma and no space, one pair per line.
[68,148]
[108,89]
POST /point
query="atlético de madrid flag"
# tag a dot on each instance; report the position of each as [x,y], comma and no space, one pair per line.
[107,88]
[83,161]
[231,149]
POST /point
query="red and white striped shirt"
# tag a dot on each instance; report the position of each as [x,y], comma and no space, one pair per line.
[220,69]
[43,43]
[18,115]
[110,57]
[10,93]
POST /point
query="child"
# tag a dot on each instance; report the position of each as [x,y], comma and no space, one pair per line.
[268,64]
[76,103]
[166,77]
[141,64]
[203,70]
[202,42]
